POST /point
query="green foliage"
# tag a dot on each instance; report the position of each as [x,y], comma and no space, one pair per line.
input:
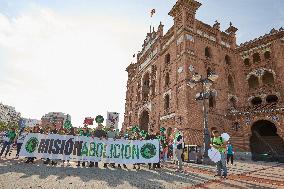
[6,126]
[68,124]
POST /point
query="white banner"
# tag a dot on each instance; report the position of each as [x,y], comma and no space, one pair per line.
[112,119]
[81,148]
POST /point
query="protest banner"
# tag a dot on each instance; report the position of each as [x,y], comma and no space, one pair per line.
[81,148]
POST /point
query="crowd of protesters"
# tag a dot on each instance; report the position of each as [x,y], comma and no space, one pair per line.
[170,146]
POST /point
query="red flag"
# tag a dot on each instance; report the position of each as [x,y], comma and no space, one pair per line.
[89,121]
[153,11]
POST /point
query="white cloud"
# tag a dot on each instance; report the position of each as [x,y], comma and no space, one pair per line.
[71,64]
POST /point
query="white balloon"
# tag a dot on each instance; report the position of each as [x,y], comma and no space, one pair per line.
[225,136]
[214,155]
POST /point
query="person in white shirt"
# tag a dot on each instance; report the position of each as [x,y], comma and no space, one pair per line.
[20,141]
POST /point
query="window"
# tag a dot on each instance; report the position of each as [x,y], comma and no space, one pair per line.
[212,101]
[167,80]
[167,58]
[209,71]
[267,78]
[256,101]
[233,102]
[227,60]
[256,58]
[247,62]
[231,84]
[167,102]
[253,82]
[267,55]
[271,99]
[208,52]
[153,87]
[146,87]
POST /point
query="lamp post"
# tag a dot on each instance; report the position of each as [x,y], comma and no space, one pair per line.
[206,83]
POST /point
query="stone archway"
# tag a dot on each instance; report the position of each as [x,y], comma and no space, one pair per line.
[144,120]
[265,143]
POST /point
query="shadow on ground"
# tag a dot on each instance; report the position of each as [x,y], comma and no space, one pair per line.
[111,177]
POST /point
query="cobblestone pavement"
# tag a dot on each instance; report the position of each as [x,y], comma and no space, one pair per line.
[17,174]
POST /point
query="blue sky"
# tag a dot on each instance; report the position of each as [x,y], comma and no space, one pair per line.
[71,55]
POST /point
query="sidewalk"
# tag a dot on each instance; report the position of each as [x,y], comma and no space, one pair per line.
[243,174]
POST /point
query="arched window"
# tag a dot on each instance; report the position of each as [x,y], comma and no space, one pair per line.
[256,58]
[167,58]
[256,101]
[208,71]
[146,86]
[231,84]
[167,79]
[212,101]
[267,78]
[271,99]
[247,62]
[253,82]
[233,102]
[267,55]
[227,60]
[167,102]
[208,53]
[153,87]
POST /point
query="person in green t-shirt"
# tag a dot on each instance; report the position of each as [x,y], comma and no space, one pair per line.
[218,142]
[9,138]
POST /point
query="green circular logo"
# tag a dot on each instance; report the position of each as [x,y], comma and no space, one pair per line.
[148,151]
[31,145]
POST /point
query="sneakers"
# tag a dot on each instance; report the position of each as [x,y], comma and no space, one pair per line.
[124,166]
[68,164]
[179,171]
[91,165]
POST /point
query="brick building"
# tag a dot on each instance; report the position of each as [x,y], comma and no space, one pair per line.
[249,101]
[55,118]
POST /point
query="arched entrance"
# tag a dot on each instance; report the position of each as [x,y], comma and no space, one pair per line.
[265,143]
[144,121]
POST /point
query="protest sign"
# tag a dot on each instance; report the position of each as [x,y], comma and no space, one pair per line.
[81,148]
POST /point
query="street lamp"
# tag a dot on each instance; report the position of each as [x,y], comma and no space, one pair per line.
[206,83]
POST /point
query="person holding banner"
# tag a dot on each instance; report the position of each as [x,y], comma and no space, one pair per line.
[9,138]
[72,132]
[111,135]
[36,129]
[218,142]
[87,134]
[151,136]
[99,133]
[23,133]
[53,130]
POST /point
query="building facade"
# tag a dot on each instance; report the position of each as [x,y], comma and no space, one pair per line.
[55,118]
[8,114]
[249,100]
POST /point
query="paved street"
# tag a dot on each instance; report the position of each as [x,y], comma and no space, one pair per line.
[16,174]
